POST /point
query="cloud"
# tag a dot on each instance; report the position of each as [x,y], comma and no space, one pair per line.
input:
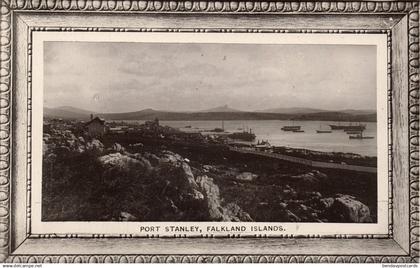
[116,77]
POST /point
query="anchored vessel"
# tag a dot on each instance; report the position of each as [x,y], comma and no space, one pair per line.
[359,136]
[350,127]
[320,130]
[243,136]
[291,128]
[353,132]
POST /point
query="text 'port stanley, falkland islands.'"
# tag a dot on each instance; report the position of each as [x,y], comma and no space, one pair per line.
[182,132]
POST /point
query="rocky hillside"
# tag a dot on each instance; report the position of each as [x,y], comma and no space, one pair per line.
[84,179]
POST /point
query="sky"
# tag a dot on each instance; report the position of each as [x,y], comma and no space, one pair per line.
[122,77]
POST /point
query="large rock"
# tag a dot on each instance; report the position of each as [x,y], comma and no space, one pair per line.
[95,145]
[137,146]
[233,212]
[117,160]
[189,175]
[313,177]
[125,216]
[326,203]
[46,137]
[169,157]
[209,168]
[146,163]
[81,140]
[246,176]
[116,148]
[212,195]
[181,180]
[217,212]
[153,159]
[347,209]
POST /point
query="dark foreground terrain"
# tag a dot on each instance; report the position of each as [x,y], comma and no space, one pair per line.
[88,179]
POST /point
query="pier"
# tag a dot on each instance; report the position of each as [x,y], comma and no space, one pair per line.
[307,162]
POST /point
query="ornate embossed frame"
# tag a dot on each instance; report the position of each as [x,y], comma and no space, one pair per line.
[19,19]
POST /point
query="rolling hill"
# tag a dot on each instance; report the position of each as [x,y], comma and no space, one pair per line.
[66,112]
[292,110]
[218,113]
[221,109]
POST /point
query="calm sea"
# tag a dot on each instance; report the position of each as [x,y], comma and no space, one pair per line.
[337,141]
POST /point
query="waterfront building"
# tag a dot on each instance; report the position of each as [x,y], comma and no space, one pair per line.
[96,127]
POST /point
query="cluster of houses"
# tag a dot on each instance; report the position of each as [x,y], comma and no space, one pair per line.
[98,127]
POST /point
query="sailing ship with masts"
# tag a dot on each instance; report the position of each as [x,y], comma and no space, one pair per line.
[243,136]
[292,128]
[348,127]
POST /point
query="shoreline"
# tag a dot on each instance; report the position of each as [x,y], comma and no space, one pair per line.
[333,143]
[311,155]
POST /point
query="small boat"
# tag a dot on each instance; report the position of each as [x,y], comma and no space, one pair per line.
[360,136]
[291,128]
[263,145]
[187,127]
[355,128]
[218,130]
[298,130]
[320,130]
[353,132]
[336,127]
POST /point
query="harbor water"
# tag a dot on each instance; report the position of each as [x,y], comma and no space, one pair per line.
[270,130]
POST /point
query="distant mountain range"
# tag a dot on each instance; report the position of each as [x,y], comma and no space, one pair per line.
[220,113]
[303,110]
[292,110]
[67,112]
[221,109]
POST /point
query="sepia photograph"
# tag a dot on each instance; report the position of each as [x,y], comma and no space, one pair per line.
[209,132]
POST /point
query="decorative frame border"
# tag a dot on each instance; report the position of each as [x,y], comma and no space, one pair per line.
[31,30]
[8,8]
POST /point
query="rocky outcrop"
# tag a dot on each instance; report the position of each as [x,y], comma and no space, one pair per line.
[233,212]
[212,195]
[346,208]
[217,212]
